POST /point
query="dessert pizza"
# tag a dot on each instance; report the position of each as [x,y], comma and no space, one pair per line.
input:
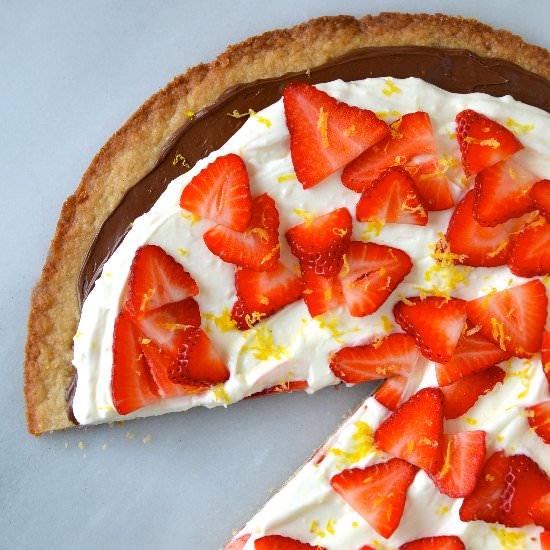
[373,209]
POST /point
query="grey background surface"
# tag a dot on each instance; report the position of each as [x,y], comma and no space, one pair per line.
[71,74]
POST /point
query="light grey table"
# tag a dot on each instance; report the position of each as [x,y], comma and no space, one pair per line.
[71,74]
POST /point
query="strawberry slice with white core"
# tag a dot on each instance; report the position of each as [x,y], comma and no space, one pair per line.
[479,246]
[461,396]
[435,322]
[396,354]
[263,293]
[258,246]
[514,318]
[278,542]
[221,193]
[326,134]
[432,184]
[198,362]
[539,419]
[320,244]
[321,294]
[545,356]
[392,198]
[165,325]
[156,279]
[371,274]
[464,456]
[540,194]
[502,192]
[410,136]
[415,431]
[392,392]
[530,254]
[540,511]
[446,542]
[377,493]
[132,386]
[482,141]
[473,353]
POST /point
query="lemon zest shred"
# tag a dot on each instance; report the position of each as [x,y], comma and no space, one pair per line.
[286,177]
[307,216]
[509,540]
[180,159]
[220,394]
[262,345]
[362,445]
[517,128]
[390,88]
[322,126]
[223,321]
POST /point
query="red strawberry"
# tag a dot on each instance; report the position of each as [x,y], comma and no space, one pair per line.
[484,502]
[285,387]
[410,136]
[513,318]
[132,386]
[372,273]
[326,134]
[320,245]
[377,493]
[540,194]
[392,198]
[545,540]
[460,396]
[435,322]
[415,431]
[156,279]
[530,254]
[255,248]
[435,543]
[545,355]
[198,362]
[165,325]
[278,542]
[502,192]
[238,544]
[539,419]
[392,392]
[483,142]
[394,354]
[464,457]
[321,294]
[432,184]
[263,293]
[480,246]
[540,511]
[221,193]
[473,353]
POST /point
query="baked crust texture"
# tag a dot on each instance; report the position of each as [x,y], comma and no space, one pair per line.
[134,149]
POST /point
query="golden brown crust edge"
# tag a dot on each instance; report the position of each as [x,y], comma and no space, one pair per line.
[133,150]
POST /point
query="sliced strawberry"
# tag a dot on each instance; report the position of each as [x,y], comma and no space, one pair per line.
[392,392]
[435,322]
[484,502]
[460,396]
[165,325]
[255,248]
[524,484]
[221,193]
[540,194]
[326,134]
[410,136]
[198,362]
[449,542]
[539,419]
[392,198]
[464,458]
[377,493]
[514,318]
[545,540]
[321,294]
[394,354]
[530,254]
[502,192]
[239,543]
[372,273]
[415,431]
[545,355]
[156,279]
[285,387]
[482,141]
[432,184]
[320,245]
[263,293]
[540,511]
[278,542]
[479,246]
[132,386]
